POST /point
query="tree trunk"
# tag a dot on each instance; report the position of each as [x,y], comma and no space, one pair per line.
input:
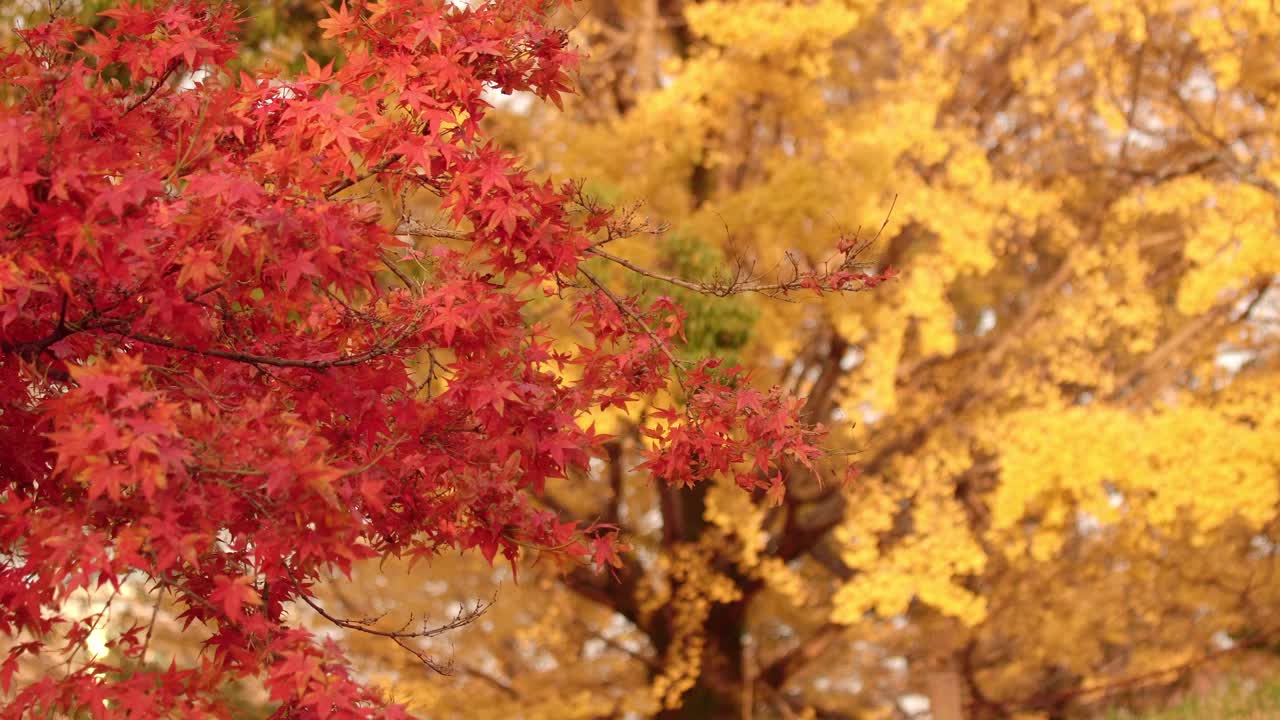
[721,689]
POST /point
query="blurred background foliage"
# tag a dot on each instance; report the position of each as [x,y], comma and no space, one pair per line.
[1064,411]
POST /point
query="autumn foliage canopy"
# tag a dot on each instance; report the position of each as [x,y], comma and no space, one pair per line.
[224,372]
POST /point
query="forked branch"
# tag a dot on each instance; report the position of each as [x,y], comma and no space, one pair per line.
[404,635]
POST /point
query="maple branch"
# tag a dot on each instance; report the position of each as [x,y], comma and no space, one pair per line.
[402,636]
[348,182]
[246,472]
[670,279]
[151,626]
[183,593]
[400,274]
[218,399]
[253,359]
[849,251]
[675,362]
[97,618]
[377,458]
[737,286]
[32,349]
[173,65]
[412,228]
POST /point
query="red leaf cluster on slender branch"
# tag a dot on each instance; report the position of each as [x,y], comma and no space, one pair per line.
[209,384]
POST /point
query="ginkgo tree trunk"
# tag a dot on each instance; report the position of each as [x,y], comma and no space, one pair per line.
[226,370]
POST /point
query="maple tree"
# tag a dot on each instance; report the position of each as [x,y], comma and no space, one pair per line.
[1064,412]
[236,358]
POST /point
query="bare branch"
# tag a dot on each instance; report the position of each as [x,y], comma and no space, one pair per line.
[402,637]
[504,687]
[413,228]
[777,672]
[736,286]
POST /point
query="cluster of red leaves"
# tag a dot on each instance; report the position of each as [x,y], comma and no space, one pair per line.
[728,428]
[206,373]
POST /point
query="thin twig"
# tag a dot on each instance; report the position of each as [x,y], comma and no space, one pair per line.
[344,184]
[400,274]
[173,65]
[662,345]
[400,637]
[151,626]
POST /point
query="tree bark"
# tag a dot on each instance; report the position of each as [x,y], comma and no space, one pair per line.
[720,691]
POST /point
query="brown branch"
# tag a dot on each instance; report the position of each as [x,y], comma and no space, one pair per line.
[1029,315]
[254,359]
[817,406]
[652,664]
[151,626]
[829,558]
[1262,289]
[776,673]
[503,687]
[344,184]
[662,345]
[1135,94]
[619,595]
[1153,677]
[63,329]
[414,229]
[1192,329]
[173,65]
[400,274]
[613,510]
[402,636]
[737,286]
[670,279]
[969,673]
